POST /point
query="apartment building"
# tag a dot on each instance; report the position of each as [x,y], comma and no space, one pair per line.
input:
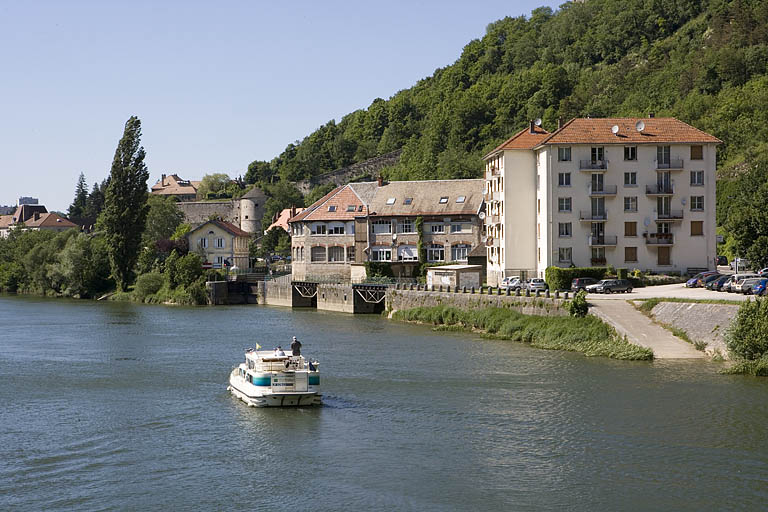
[624,192]
[378,221]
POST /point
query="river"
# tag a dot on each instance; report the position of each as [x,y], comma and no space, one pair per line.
[118,406]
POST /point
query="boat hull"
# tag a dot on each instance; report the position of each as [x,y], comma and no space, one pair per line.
[262,396]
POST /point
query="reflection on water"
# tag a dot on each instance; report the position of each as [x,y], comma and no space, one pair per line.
[121,406]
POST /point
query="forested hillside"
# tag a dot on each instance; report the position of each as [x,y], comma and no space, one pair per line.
[703,62]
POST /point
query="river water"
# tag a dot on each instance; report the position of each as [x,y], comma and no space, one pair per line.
[114,406]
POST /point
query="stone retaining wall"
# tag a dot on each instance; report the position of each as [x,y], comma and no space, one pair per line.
[705,323]
[407,299]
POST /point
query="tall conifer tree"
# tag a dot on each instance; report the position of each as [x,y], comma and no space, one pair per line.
[76,210]
[125,204]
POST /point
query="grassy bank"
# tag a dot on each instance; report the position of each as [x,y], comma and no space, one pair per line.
[588,335]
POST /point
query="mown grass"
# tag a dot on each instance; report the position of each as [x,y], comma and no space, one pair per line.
[588,335]
[650,303]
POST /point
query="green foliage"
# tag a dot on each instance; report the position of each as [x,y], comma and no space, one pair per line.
[275,241]
[747,220]
[147,284]
[171,275]
[216,186]
[11,276]
[189,268]
[282,195]
[578,306]
[377,269]
[181,231]
[747,337]
[76,210]
[125,206]
[587,335]
[622,273]
[259,172]
[163,218]
[318,192]
[560,278]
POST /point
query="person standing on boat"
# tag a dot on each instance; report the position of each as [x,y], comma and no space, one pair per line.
[279,351]
[296,346]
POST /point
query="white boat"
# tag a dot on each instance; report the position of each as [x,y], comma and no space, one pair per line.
[268,380]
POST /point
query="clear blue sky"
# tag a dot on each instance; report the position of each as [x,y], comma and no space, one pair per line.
[215,84]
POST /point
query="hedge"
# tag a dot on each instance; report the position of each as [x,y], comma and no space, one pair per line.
[560,278]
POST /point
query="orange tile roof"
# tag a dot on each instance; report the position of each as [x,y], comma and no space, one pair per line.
[523,139]
[658,130]
[49,220]
[226,226]
[339,201]
[282,219]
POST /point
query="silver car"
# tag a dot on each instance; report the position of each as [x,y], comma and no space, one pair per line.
[536,284]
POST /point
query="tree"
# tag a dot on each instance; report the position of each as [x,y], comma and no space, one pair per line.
[125,204]
[282,195]
[275,241]
[95,202]
[215,183]
[163,217]
[76,210]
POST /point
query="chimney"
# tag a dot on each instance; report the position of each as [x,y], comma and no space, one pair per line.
[37,215]
[380,180]
[293,211]
[532,128]
[651,115]
[162,180]
[559,122]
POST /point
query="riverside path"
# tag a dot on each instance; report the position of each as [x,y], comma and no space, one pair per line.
[640,330]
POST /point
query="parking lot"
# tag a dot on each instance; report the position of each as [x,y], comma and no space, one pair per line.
[669,291]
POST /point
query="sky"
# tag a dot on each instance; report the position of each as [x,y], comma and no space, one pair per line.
[215,84]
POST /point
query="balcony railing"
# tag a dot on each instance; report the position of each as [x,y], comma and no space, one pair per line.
[493,219]
[660,239]
[593,164]
[595,216]
[605,190]
[660,190]
[670,215]
[673,163]
[498,195]
[597,262]
[602,240]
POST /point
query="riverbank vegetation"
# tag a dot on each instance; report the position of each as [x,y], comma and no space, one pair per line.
[587,335]
[747,339]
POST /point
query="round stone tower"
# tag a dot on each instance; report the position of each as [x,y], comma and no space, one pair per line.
[252,210]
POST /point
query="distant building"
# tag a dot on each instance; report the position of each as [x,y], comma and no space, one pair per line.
[220,243]
[27,200]
[280,220]
[172,185]
[7,210]
[34,217]
[377,222]
[245,212]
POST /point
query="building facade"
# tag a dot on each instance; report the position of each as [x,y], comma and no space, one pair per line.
[386,223]
[626,192]
[220,244]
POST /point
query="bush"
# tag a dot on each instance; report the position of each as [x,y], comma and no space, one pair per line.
[189,268]
[148,284]
[578,306]
[622,273]
[560,278]
[747,337]
[378,269]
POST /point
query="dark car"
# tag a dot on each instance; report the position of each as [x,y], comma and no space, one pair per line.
[718,283]
[704,281]
[722,261]
[618,285]
[581,283]
[760,287]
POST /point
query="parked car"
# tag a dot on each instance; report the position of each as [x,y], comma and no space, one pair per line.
[721,261]
[694,281]
[760,287]
[512,283]
[726,286]
[610,286]
[738,280]
[746,285]
[536,284]
[716,284]
[742,264]
[705,280]
[581,283]
[763,272]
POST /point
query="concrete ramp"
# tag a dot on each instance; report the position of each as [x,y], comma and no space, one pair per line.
[640,330]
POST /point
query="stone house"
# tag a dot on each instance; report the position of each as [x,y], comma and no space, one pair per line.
[173,185]
[378,222]
[221,244]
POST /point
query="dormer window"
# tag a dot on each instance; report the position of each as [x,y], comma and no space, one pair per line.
[351,208]
[408,200]
[444,200]
[332,208]
[390,201]
[461,199]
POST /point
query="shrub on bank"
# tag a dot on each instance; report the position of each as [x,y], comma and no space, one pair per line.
[560,278]
[147,284]
[588,335]
[747,338]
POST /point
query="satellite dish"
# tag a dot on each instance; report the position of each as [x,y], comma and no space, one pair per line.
[481,215]
[647,222]
[394,236]
[615,129]
[640,125]
[537,122]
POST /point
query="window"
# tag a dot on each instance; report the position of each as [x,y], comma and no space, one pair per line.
[457,228]
[351,208]
[381,254]
[563,179]
[351,253]
[697,152]
[437,228]
[407,253]
[697,178]
[360,208]
[538,206]
[630,229]
[444,200]
[381,227]
[597,154]
[408,200]
[564,229]
[564,204]
[538,182]
[630,153]
[697,203]
[318,229]
[218,261]
[336,254]
[697,228]
[332,208]
[630,179]
[565,254]
[318,254]
[405,226]
[461,199]
[391,201]
[598,255]
[435,252]
[459,252]
[219,243]
[337,230]
[662,155]
[563,154]
[630,254]
[630,204]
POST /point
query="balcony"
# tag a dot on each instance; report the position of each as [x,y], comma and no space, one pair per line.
[660,190]
[493,219]
[492,242]
[606,190]
[669,216]
[673,164]
[498,195]
[659,239]
[596,216]
[593,165]
[602,241]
